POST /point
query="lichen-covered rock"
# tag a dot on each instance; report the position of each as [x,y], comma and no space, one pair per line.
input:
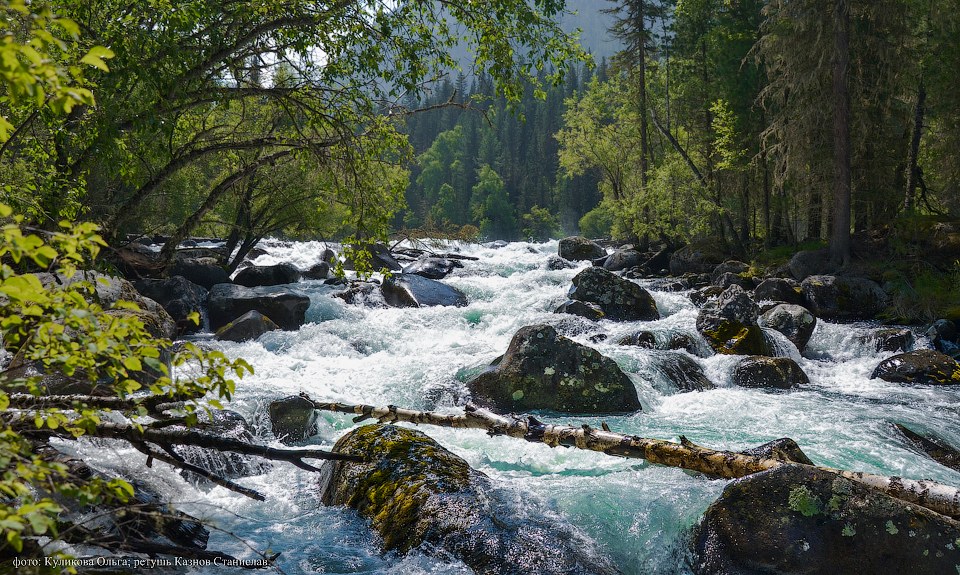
[582,309]
[780,290]
[256,276]
[249,326]
[731,279]
[729,324]
[923,366]
[623,259]
[417,494]
[769,372]
[292,418]
[843,298]
[620,299]
[701,296]
[728,267]
[579,248]
[804,264]
[544,370]
[701,258]
[179,296]
[411,290]
[793,321]
[797,520]
[432,267]
[555,262]
[227,302]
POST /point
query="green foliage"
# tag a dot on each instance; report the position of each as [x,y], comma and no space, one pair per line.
[598,222]
[540,225]
[491,206]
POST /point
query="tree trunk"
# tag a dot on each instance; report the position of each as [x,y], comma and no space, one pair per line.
[912,169]
[641,26]
[840,236]
[686,455]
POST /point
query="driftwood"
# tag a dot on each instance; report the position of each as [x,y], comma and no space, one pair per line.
[938,497]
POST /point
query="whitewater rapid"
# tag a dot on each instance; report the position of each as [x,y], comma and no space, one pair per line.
[637,514]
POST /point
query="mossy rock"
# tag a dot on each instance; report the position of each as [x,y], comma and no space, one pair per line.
[769,372]
[923,366]
[544,370]
[619,299]
[802,520]
[795,322]
[417,494]
[843,298]
[729,324]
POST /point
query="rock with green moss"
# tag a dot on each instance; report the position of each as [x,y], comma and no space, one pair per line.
[729,324]
[769,372]
[544,370]
[843,298]
[802,520]
[619,299]
[923,366]
[417,494]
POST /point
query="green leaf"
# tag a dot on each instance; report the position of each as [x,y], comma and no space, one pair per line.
[96,56]
[133,364]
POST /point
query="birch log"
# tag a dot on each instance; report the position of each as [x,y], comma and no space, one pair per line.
[938,497]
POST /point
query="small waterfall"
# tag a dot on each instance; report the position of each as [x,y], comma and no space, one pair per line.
[781,346]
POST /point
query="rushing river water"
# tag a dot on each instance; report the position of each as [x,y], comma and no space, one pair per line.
[638,514]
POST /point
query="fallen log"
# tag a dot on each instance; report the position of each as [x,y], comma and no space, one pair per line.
[937,497]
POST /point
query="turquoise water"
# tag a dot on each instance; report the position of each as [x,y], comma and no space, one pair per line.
[635,513]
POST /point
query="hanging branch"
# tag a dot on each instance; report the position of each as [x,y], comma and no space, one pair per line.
[171,458]
[937,497]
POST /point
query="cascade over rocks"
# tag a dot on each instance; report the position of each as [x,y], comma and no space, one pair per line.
[411,290]
[620,299]
[417,494]
[729,324]
[227,302]
[779,290]
[793,321]
[891,339]
[179,297]
[769,372]
[226,424]
[923,366]
[802,520]
[256,276]
[249,326]
[292,419]
[579,248]
[843,297]
[432,267]
[544,370]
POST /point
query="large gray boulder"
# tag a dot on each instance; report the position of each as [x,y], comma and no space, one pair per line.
[683,372]
[843,297]
[793,321]
[769,372]
[796,520]
[620,299]
[729,324]
[544,370]
[411,290]
[923,366]
[804,264]
[698,259]
[432,267]
[622,259]
[249,326]
[292,418]
[418,495]
[203,271]
[257,276]
[579,248]
[227,302]
[779,290]
[179,296]
[734,267]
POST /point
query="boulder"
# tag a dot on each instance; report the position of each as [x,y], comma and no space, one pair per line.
[328,255]
[623,259]
[555,262]
[620,299]
[728,267]
[411,290]
[699,259]
[318,271]
[416,494]
[804,264]
[784,449]
[644,339]
[729,324]
[802,520]
[579,248]
[934,446]
[361,293]
[658,262]
[380,258]
[432,268]
[728,279]
[943,335]
[923,366]
[793,321]
[891,339]
[703,295]
[249,326]
[227,424]
[779,290]
[227,302]
[256,276]
[685,373]
[843,297]
[769,372]
[293,419]
[582,309]
[179,296]
[205,272]
[544,370]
